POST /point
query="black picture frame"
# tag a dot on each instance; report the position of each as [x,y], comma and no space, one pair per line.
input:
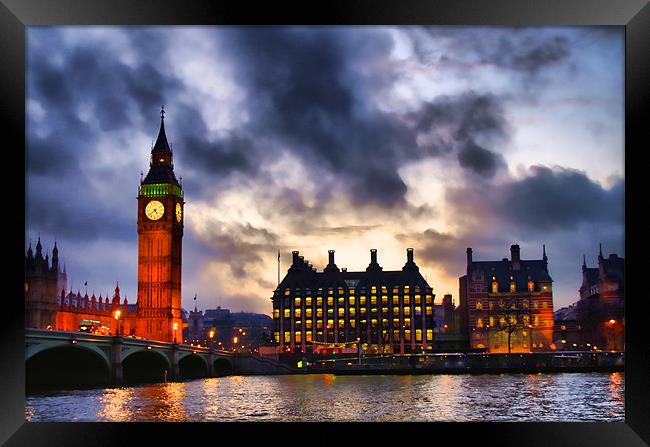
[16,15]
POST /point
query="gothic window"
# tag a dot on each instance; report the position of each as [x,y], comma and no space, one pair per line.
[495,287]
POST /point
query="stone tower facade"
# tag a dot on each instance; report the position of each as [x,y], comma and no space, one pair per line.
[43,282]
[160,235]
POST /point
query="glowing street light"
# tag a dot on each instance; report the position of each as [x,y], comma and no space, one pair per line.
[211,336]
[117,321]
[175,328]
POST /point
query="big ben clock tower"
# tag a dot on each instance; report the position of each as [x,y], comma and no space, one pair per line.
[160,235]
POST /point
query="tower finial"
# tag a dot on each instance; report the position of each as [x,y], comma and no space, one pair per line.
[162,112]
[600,250]
[584,261]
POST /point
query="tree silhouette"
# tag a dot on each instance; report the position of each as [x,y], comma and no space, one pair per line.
[509,315]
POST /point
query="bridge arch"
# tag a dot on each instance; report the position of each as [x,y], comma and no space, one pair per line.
[67,366]
[192,366]
[146,365]
[222,367]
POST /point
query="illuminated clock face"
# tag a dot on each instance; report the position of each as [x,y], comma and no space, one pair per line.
[179,212]
[154,210]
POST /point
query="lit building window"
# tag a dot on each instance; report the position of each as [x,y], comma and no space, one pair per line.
[298,337]
[287,313]
[340,291]
[373,289]
[395,335]
[479,322]
[502,321]
[362,300]
[418,335]
[536,320]
[330,311]
[395,299]
[495,287]
[287,292]
[341,301]
[341,323]
[352,311]
[330,301]
[297,324]
[341,311]
[276,336]
[308,336]
[395,290]
[384,299]
[373,310]
[308,301]
[330,324]
[308,313]
[395,310]
[319,324]
[308,324]
[287,337]
[429,310]
[407,335]
[429,334]
[396,322]
[373,322]
[373,299]
[383,289]
[407,321]
[319,301]
[407,311]
[351,292]
[479,305]
[351,301]
[429,299]
[513,287]
[276,313]
[297,302]
[531,286]
[491,321]
[406,289]
[384,322]
[362,310]
[384,310]
[329,291]
[526,320]
[534,304]
[407,299]
[418,310]
[319,311]
[544,304]
[353,324]
[418,299]
[297,313]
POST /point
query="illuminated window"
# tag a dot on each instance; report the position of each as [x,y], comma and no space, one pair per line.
[429,334]
[491,305]
[362,300]
[491,321]
[297,313]
[296,301]
[396,335]
[351,301]
[407,311]
[319,301]
[395,322]
[526,320]
[308,313]
[373,322]
[276,313]
[319,324]
[308,301]
[276,336]
[340,291]
[407,335]
[406,289]
[563,327]
[418,310]
[429,299]
[330,311]
[341,301]
[287,313]
[330,301]
[353,324]
[384,322]
[418,299]
[287,292]
[544,304]
[429,310]
[351,292]
[531,286]
[495,287]
[418,335]
[534,304]
[352,311]
[479,322]
[330,324]
[297,324]
[373,299]
[298,337]
[479,305]
[308,324]
[373,289]
[407,321]
[308,336]
[319,311]
[502,321]
[287,337]
[341,311]
[341,323]
[513,287]
[329,291]
[395,299]
[384,310]
[383,289]
[536,320]
[407,299]
[362,310]
[395,290]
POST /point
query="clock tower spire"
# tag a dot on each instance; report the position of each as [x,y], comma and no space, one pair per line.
[160,234]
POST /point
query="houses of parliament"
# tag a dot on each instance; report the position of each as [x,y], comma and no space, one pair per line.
[156,314]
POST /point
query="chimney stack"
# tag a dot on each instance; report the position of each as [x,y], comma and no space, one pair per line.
[295,257]
[514,255]
[373,256]
[409,255]
[469,256]
[331,256]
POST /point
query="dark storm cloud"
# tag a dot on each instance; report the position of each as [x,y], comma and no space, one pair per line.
[530,54]
[546,199]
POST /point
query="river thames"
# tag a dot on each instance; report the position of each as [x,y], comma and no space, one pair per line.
[325,397]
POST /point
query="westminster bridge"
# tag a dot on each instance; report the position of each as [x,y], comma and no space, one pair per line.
[78,359]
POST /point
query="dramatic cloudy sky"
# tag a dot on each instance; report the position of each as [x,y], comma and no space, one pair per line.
[344,138]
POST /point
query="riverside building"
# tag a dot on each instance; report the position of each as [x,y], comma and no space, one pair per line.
[382,311]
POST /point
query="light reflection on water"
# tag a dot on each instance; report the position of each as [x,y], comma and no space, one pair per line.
[325,397]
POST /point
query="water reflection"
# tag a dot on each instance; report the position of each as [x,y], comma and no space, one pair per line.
[326,397]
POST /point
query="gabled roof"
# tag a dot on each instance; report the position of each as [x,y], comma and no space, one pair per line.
[535,270]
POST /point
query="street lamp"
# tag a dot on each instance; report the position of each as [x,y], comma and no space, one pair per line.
[175,327]
[211,335]
[117,321]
